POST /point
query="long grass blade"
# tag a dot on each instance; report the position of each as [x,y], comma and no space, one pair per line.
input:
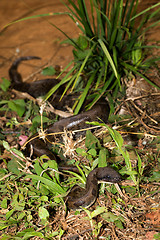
[63,81]
[102,91]
[108,23]
[144,11]
[132,68]
[100,23]
[85,18]
[93,17]
[83,65]
[54,187]
[106,52]
[84,94]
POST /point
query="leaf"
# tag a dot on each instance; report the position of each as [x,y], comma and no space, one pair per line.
[4,203]
[119,224]
[21,215]
[6,145]
[32,234]
[82,42]
[3,226]
[18,153]
[13,166]
[18,106]
[81,54]
[155,177]
[91,141]
[116,137]
[81,151]
[3,172]
[37,119]
[92,152]
[5,84]
[102,158]
[9,214]
[108,56]
[98,211]
[54,187]
[43,213]
[44,198]
[157,236]
[49,71]
[109,216]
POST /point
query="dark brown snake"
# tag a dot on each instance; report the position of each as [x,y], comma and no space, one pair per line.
[77,197]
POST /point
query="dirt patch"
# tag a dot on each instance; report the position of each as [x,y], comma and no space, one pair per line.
[34,37]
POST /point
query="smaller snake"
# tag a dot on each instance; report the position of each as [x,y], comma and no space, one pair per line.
[77,197]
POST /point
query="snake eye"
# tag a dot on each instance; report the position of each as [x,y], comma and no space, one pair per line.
[108,177]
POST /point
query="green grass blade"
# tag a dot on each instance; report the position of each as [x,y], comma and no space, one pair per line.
[84,94]
[76,14]
[133,69]
[151,26]
[108,23]
[102,91]
[85,18]
[83,65]
[63,81]
[144,11]
[128,13]
[54,187]
[71,79]
[108,56]
[100,23]
[92,16]
[125,7]
[100,76]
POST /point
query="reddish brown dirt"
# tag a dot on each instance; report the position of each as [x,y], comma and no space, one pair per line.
[34,37]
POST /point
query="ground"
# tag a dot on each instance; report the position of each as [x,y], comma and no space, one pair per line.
[38,37]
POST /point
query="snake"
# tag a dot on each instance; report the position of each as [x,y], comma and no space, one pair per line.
[77,197]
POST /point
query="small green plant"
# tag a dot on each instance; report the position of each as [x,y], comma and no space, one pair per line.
[5,84]
[17,105]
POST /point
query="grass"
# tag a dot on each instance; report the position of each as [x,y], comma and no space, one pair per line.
[31,190]
[110,46]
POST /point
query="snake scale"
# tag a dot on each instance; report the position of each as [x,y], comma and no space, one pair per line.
[77,197]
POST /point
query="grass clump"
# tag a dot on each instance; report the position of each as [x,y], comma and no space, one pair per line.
[111,45]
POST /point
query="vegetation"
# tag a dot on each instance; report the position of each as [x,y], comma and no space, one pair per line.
[32,194]
[110,47]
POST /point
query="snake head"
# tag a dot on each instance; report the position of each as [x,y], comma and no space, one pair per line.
[108,174]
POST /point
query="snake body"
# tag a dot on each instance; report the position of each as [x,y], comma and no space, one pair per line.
[77,196]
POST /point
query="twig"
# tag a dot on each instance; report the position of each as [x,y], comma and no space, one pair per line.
[8,175]
[140,110]
[143,96]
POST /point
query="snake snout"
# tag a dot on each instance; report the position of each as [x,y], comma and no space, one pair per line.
[112,179]
[108,174]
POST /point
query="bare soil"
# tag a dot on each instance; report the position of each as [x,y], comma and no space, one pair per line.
[36,37]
